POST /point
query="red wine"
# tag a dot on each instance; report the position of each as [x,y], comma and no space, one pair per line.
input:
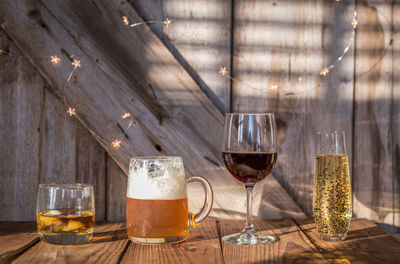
[249,167]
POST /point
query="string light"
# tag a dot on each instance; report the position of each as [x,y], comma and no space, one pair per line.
[126,115]
[223,71]
[116,143]
[167,22]
[55,60]
[354,23]
[76,63]
[324,72]
[71,111]
[126,21]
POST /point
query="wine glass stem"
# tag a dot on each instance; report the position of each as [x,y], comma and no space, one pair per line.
[249,197]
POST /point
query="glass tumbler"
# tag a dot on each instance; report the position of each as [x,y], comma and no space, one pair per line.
[65,213]
[332,204]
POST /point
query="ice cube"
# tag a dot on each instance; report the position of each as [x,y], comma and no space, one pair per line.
[52,213]
[73,226]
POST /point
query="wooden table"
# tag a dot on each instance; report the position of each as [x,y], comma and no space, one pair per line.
[299,243]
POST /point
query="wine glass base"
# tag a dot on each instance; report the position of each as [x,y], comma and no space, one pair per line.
[249,238]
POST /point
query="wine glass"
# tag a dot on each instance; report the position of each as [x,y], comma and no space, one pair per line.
[249,152]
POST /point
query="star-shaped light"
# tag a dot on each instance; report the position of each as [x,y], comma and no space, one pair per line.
[116,143]
[76,63]
[126,115]
[126,20]
[167,22]
[354,23]
[223,71]
[324,72]
[71,111]
[55,60]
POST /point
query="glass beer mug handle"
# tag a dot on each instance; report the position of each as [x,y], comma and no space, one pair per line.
[195,219]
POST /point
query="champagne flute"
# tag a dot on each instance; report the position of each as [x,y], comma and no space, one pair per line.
[249,152]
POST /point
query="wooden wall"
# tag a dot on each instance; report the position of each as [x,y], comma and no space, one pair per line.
[276,49]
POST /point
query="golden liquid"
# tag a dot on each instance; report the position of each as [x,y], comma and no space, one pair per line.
[157,218]
[332,195]
[65,222]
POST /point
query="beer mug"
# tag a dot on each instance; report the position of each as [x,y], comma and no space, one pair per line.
[156,206]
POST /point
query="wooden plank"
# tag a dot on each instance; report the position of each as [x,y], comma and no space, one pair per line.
[21,98]
[365,243]
[279,72]
[199,38]
[69,152]
[91,168]
[107,246]
[202,246]
[396,120]
[373,147]
[292,246]
[58,147]
[116,192]
[15,238]
[180,120]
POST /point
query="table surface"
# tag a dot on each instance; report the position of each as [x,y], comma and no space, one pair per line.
[298,243]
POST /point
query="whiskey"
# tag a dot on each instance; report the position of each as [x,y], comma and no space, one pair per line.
[65,226]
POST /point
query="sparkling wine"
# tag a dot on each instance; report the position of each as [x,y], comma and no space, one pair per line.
[249,167]
[332,195]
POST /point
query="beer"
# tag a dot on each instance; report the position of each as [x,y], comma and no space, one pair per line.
[147,218]
[65,226]
[156,204]
[332,195]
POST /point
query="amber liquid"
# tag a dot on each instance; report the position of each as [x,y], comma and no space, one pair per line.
[65,226]
[332,196]
[157,218]
[249,167]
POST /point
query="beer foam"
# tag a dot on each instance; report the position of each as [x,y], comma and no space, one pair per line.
[166,184]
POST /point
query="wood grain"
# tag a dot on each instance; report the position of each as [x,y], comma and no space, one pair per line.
[15,238]
[58,147]
[116,192]
[373,146]
[180,120]
[279,72]
[199,38]
[202,246]
[91,168]
[108,243]
[292,247]
[396,120]
[21,97]
[365,243]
